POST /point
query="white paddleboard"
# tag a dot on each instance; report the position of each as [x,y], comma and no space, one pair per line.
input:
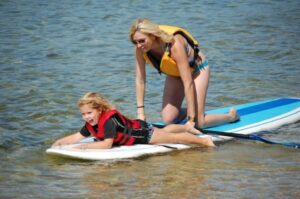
[254,117]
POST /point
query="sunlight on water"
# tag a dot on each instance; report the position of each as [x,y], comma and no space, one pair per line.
[52,53]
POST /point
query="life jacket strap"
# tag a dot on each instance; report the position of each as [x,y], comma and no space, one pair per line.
[154,61]
[126,130]
[193,45]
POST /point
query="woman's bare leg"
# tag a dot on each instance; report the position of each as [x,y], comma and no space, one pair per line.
[172,100]
[174,95]
[201,85]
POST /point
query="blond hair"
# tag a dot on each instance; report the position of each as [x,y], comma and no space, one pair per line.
[148,27]
[96,101]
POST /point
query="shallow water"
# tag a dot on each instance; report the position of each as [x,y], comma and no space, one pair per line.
[52,52]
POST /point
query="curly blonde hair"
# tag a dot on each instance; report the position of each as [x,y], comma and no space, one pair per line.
[148,27]
[96,101]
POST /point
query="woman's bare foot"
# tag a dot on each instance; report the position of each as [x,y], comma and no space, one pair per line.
[234,116]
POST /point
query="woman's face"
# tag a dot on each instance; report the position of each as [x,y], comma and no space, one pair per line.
[142,41]
[89,114]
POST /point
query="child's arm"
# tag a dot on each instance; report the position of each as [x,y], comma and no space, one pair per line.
[71,139]
[105,144]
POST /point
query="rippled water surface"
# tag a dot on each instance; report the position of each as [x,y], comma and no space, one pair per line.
[52,52]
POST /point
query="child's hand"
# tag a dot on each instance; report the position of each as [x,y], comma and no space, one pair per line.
[81,146]
[56,144]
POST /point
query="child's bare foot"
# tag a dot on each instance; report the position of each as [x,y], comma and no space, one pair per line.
[207,141]
[234,116]
[194,131]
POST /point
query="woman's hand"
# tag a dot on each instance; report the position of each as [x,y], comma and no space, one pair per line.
[81,146]
[190,125]
[141,114]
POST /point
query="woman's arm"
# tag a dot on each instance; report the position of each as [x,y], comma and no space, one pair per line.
[178,53]
[105,144]
[71,139]
[140,79]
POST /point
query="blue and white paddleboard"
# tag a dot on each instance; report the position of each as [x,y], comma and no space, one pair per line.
[254,117]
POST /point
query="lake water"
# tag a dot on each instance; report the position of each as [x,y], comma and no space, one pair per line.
[52,52]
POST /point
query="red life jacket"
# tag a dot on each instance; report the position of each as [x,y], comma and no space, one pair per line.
[123,137]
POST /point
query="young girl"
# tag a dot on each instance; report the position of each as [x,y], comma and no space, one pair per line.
[112,128]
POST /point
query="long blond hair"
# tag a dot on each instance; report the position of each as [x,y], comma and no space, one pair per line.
[96,101]
[148,27]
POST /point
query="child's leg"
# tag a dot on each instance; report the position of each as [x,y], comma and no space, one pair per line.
[175,128]
[162,136]
[179,128]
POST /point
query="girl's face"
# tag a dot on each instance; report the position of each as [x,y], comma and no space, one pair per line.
[90,115]
[142,41]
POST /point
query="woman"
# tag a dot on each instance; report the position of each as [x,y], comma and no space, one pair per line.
[112,128]
[173,51]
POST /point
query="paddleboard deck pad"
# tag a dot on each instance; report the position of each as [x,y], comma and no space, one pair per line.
[254,117]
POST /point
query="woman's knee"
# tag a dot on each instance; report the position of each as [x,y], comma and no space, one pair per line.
[173,115]
[168,117]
